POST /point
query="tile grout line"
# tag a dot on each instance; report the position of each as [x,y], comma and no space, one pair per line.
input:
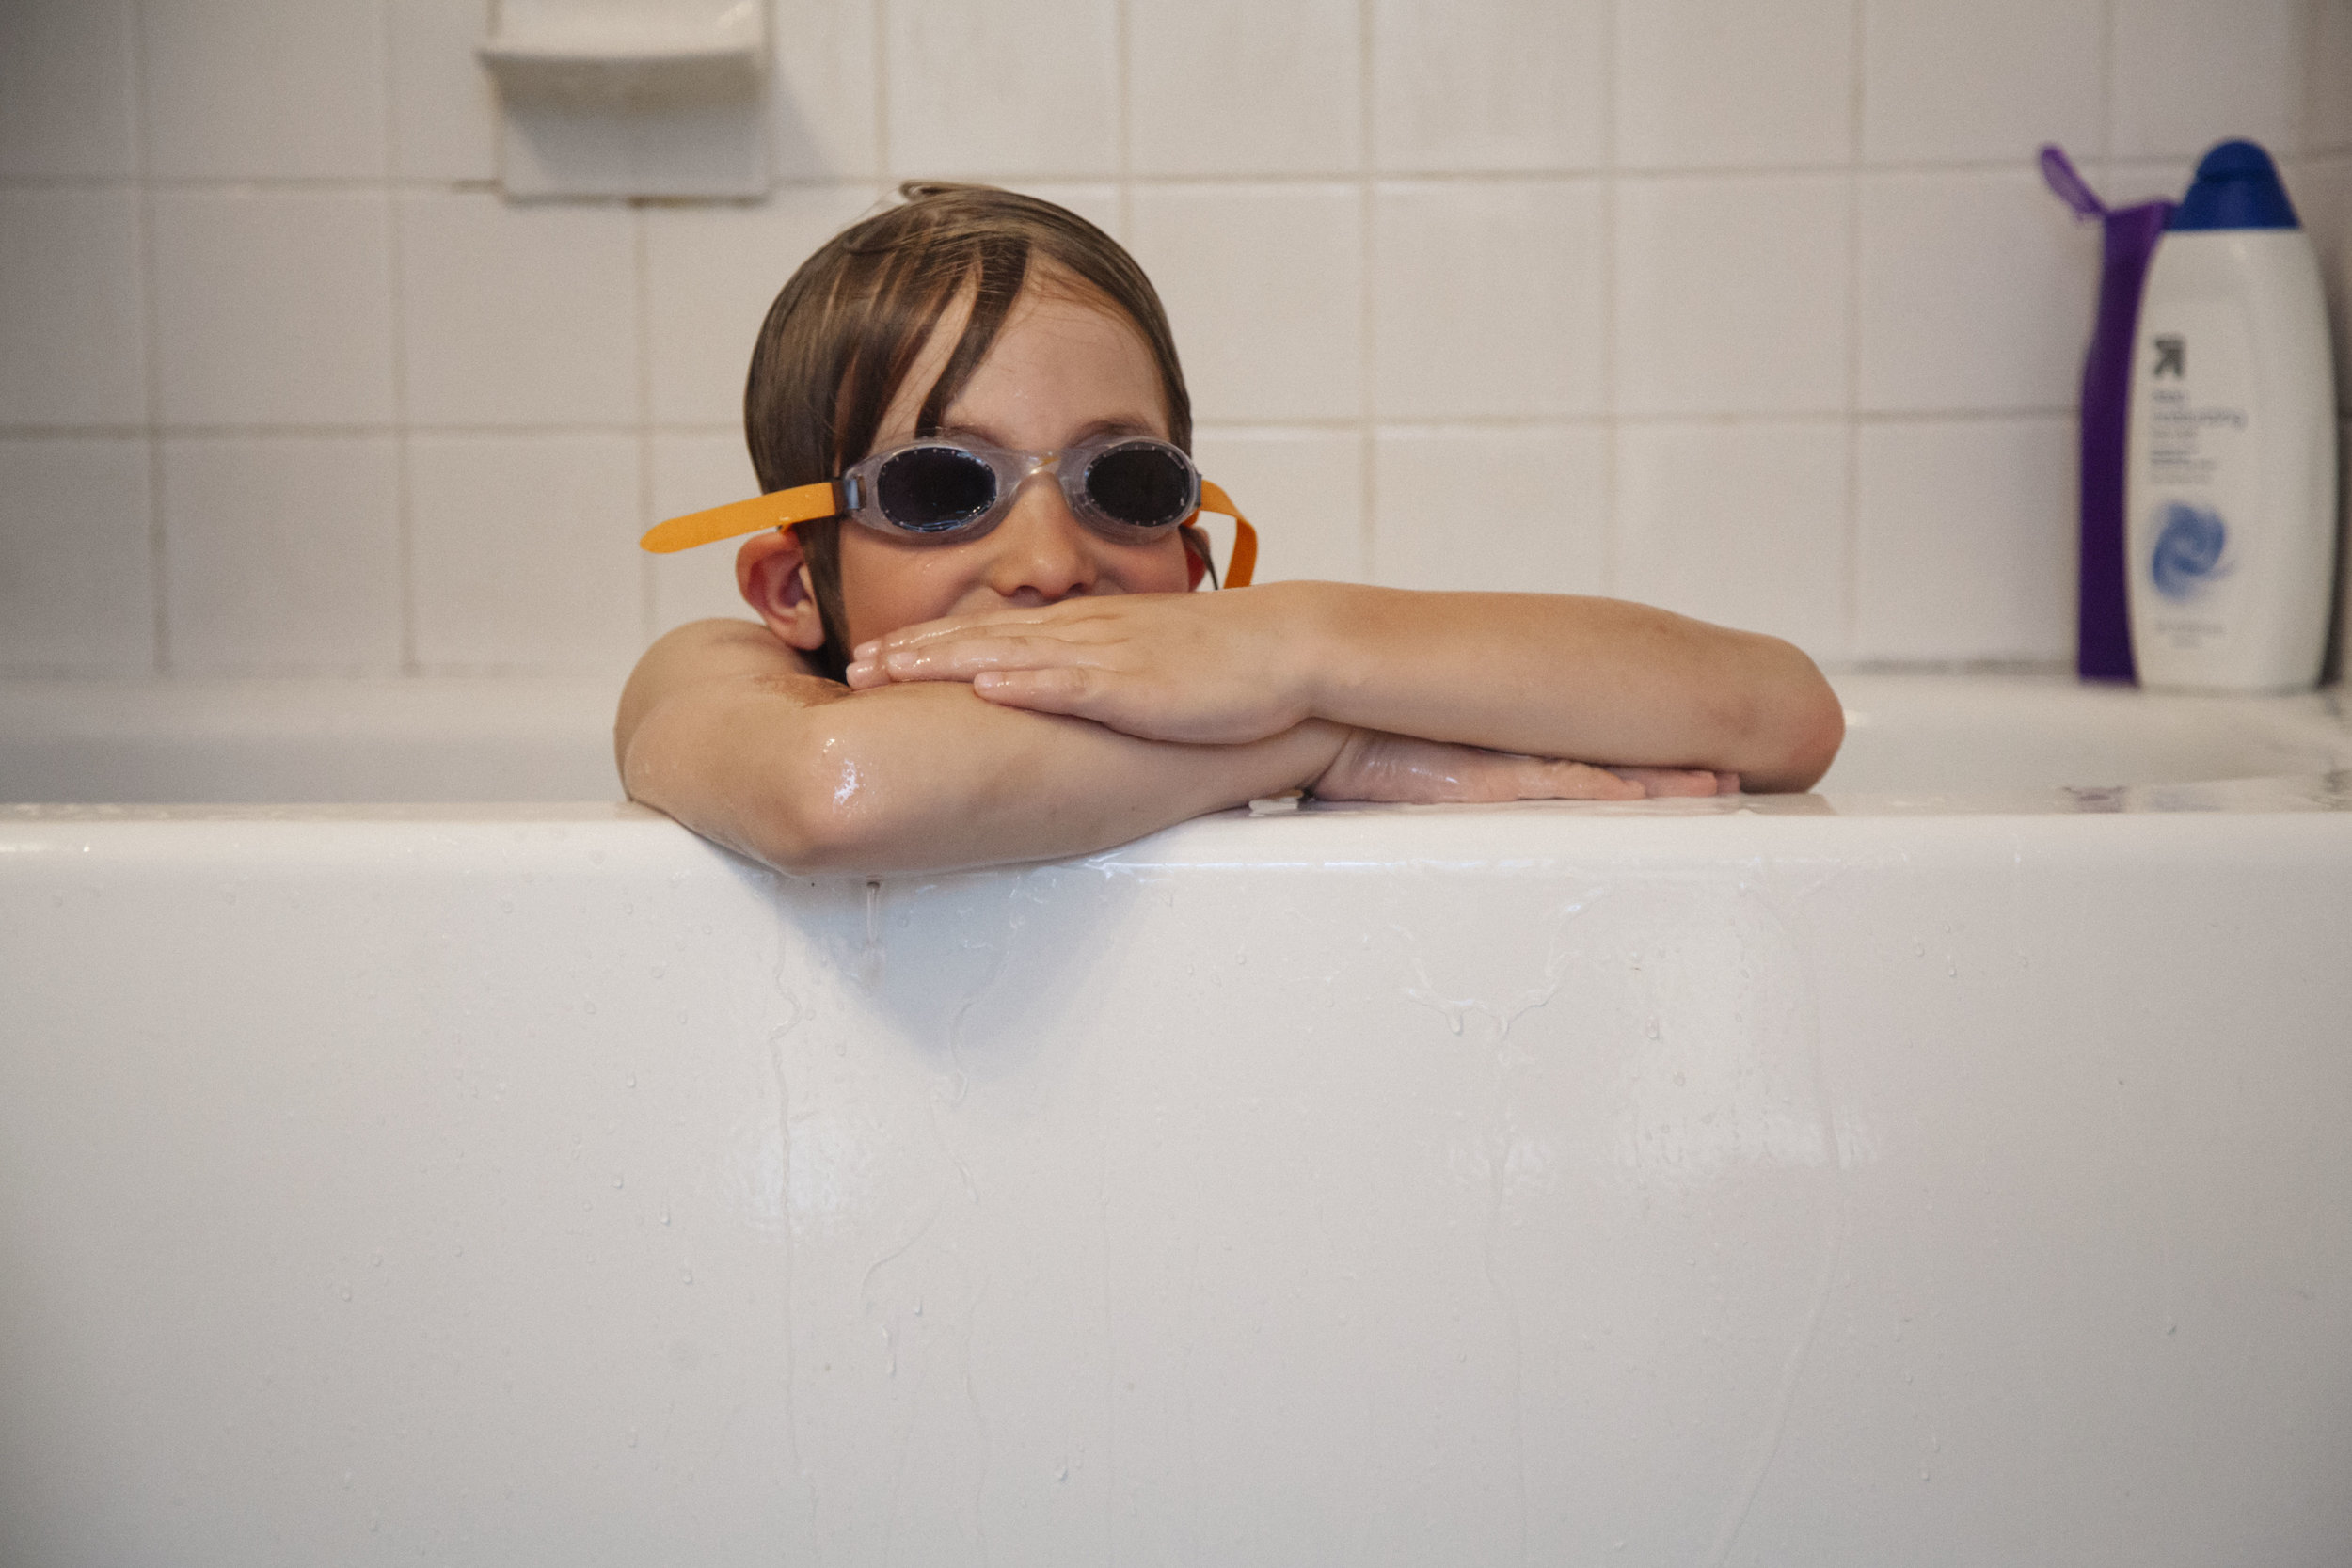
[158,535]
[2300,106]
[881,67]
[1123,22]
[1850,606]
[1612,521]
[2107,86]
[404,510]
[1367,334]
[327,185]
[1342,422]
[640,248]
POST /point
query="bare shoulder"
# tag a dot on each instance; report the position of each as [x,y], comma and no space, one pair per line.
[717,664]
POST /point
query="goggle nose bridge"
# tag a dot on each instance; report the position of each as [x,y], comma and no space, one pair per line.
[852,486]
[1038,463]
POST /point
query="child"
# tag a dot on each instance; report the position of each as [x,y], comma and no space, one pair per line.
[998,660]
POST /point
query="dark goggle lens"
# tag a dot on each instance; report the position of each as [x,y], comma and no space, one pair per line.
[932,489]
[1142,486]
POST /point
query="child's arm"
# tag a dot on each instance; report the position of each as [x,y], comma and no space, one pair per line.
[1549,674]
[724,728]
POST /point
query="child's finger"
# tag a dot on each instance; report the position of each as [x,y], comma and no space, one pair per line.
[1068,690]
[1062,619]
[965,657]
[1577,780]
[1673,782]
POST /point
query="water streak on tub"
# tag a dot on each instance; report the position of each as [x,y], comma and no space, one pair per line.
[1502,1143]
[1778,904]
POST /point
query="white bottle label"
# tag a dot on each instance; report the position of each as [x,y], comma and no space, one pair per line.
[2200,484]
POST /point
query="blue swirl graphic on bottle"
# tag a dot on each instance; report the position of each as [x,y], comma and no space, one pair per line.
[2190,549]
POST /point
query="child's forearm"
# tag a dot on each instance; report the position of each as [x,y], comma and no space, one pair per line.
[1563,677]
[930,778]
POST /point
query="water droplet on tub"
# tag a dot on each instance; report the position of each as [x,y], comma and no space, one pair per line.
[632,1080]
[1918,948]
[1651,1028]
[687,1275]
[618,1183]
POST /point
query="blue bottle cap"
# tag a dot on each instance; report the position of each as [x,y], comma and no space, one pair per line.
[2236,187]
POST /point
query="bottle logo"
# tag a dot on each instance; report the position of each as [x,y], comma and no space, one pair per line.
[2188,554]
[2171,356]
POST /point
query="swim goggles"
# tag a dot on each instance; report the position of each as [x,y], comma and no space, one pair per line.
[1127,488]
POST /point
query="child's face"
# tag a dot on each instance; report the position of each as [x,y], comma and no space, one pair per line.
[1062,369]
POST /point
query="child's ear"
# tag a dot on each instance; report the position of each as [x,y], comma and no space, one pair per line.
[773,576]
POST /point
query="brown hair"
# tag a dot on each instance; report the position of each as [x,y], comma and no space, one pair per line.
[841,335]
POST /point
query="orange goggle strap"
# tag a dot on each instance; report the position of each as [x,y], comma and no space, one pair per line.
[808,503]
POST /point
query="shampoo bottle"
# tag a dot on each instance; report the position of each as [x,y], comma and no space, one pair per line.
[2231,479]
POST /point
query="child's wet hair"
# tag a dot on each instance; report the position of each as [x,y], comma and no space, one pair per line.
[842,335]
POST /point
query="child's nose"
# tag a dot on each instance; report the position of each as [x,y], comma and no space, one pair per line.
[1041,553]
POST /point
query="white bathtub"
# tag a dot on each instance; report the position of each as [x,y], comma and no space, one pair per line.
[1955,1166]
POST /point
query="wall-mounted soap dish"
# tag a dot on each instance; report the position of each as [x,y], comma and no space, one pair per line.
[614,98]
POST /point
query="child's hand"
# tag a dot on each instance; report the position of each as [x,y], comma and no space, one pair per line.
[1207,667]
[1373,765]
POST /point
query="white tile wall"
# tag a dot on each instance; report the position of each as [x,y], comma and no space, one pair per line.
[1704,85]
[67,105]
[1967,540]
[1733,295]
[2322,194]
[285,554]
[444,109]
[826,84]
[2190,72]
[1002,88]
[261,89]
[1244,87]
[1489,298]
[273,308]
[1743,524]
[523,552]
[1303,490]
[2328,79]
[1520,509]
[710,274]
[1490,87]
[77,584]
[1741,306]
[1989,80]
[1975,289]
[1263,286]
[519,315]
[72,351]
